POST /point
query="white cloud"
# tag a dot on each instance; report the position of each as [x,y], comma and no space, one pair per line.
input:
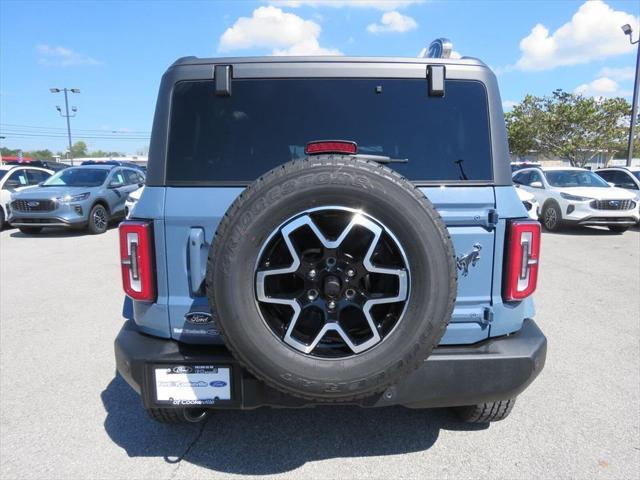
[592,34]
[393,22]
[285,33]
[508,104]
[63,57]
[384,5]
[624,73]
[308,47]
[602,87]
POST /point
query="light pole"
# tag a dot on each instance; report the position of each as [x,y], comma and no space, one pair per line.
[634,107]
[66,114]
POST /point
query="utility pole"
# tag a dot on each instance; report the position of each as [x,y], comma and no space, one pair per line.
[634,107]
[66,114]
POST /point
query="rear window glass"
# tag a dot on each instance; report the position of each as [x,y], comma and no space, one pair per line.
[265,123]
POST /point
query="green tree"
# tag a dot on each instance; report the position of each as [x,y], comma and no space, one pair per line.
[79,149]
[40,154]
[102,153]
[99,153]
[8,152]
[568,126]
[525,122]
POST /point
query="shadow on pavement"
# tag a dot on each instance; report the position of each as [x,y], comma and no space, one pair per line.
[589,231]
[269,441]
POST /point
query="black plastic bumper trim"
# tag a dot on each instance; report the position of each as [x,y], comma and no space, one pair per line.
[495,369]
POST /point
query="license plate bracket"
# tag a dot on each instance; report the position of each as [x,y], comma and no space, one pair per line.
[191,385]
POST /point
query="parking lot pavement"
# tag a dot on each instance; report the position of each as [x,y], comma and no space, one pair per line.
[64,414]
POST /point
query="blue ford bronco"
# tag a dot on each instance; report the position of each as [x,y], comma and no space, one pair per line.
[329,230]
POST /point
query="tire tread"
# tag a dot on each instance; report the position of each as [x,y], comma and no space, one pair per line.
[486,412]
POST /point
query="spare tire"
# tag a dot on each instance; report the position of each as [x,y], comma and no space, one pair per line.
[331,278]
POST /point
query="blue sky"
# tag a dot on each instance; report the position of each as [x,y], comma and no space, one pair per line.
[116,51]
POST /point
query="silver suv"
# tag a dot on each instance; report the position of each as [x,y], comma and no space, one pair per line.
[76,197]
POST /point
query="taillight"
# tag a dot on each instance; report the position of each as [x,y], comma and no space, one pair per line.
[522,258]
[331,146]
[136,260]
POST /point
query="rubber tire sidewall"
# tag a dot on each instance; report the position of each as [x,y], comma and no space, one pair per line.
[91,227]
[403,210]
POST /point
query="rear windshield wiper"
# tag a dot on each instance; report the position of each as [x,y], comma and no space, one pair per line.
[381,158]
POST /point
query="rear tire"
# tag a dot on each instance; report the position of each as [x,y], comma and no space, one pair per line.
[176,416]
[551,217]
[98,220]
[617,229]
[1,218]
[30,230]
[486,412]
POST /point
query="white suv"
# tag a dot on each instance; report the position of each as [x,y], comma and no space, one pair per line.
[623,177]
[14,178]
[569,195]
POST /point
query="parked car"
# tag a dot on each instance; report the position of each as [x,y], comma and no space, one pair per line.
[76,197]
[131,201]
[515,166]
[49,164]
[577,196]
[623,177]
[46,164]
[120,163]
[530,203]
[362,270]
[14,178]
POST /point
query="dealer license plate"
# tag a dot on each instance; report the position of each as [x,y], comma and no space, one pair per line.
[192,384]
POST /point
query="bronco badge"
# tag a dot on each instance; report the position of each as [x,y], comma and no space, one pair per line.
[463,262]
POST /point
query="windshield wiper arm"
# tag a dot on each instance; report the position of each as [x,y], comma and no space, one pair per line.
[381,158]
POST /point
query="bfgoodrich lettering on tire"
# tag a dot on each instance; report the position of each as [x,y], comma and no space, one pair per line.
[331,278]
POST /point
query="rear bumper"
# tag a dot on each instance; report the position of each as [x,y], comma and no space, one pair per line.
[495,369]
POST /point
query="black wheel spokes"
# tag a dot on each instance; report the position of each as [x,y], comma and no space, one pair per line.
[335,311]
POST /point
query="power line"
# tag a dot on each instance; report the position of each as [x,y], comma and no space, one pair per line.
[36,127]
[49,135]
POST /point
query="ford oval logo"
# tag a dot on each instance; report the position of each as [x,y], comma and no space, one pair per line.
[198,318]
[218,384]
[33,204]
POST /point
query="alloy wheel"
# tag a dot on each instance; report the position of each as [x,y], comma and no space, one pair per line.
[99,218]
[332,282]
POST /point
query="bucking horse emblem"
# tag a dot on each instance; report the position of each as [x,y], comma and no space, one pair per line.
[463,262]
